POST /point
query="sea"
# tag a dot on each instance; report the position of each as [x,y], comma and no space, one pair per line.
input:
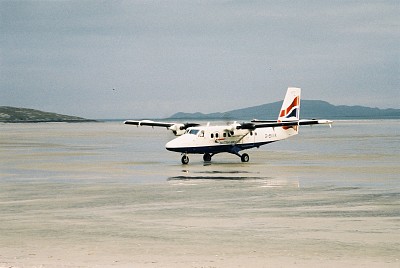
[105,194]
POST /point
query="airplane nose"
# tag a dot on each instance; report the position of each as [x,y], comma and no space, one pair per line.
[177,145]
[171,145]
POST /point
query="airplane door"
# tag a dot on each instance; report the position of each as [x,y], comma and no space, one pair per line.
[253,135]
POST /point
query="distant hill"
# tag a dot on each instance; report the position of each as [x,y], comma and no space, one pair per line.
[23,115]
[309,109]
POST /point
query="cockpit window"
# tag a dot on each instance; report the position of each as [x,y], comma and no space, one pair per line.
[193,131]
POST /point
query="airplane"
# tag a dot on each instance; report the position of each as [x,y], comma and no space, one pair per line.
[208,140]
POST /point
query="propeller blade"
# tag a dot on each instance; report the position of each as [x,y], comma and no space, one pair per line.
[249,126]
[188,125]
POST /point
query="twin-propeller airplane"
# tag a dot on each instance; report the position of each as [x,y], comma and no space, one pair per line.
[211,140]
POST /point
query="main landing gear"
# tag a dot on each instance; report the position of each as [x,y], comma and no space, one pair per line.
[207,158]
[245,158]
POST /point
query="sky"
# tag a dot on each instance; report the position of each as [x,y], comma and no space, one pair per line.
[150,59]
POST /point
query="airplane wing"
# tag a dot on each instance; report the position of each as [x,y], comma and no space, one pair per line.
[148,123]
[268,123]
[177,128]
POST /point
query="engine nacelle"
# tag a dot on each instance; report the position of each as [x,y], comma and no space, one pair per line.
[178,129]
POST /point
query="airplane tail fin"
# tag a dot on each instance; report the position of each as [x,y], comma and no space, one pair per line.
[290,110]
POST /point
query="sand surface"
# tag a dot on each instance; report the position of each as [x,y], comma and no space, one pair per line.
[96,195]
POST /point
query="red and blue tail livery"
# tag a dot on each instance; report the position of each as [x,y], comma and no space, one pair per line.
[291,105]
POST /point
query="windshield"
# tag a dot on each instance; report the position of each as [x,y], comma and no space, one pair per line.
[193,131]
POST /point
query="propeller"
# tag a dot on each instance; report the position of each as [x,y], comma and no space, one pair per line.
[188,125]
[249,126]
[179,129]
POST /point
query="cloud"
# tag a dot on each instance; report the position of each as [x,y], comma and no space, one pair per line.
[169,56]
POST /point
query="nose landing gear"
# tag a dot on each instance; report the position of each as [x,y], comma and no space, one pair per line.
[185,159]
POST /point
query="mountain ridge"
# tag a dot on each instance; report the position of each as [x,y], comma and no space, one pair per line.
[309,109]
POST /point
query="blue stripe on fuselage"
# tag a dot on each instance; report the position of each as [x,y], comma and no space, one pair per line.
[223,148]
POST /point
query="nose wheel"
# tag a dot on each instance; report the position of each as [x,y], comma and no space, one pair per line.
[185,159]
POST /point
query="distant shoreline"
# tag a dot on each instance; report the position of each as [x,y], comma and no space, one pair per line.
[310,109]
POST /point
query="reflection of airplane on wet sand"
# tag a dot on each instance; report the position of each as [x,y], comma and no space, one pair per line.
[211,140]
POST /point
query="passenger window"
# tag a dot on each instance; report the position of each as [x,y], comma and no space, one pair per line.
[224,135]
[216,135]
[212,135]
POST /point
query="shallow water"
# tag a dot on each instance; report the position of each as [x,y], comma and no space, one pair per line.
[107,194]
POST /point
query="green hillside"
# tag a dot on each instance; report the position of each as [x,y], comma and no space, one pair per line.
[23,115]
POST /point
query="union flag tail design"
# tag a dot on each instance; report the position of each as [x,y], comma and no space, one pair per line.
[290,110]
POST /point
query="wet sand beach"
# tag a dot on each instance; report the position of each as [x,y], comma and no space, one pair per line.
[110,195]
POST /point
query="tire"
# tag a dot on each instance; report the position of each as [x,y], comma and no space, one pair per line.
[245,158]
[185,160]
[207,157]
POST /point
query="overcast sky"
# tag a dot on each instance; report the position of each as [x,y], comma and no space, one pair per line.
[162,57]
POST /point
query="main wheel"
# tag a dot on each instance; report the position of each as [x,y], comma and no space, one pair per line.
[185,160]
[245,158]
[207,157]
